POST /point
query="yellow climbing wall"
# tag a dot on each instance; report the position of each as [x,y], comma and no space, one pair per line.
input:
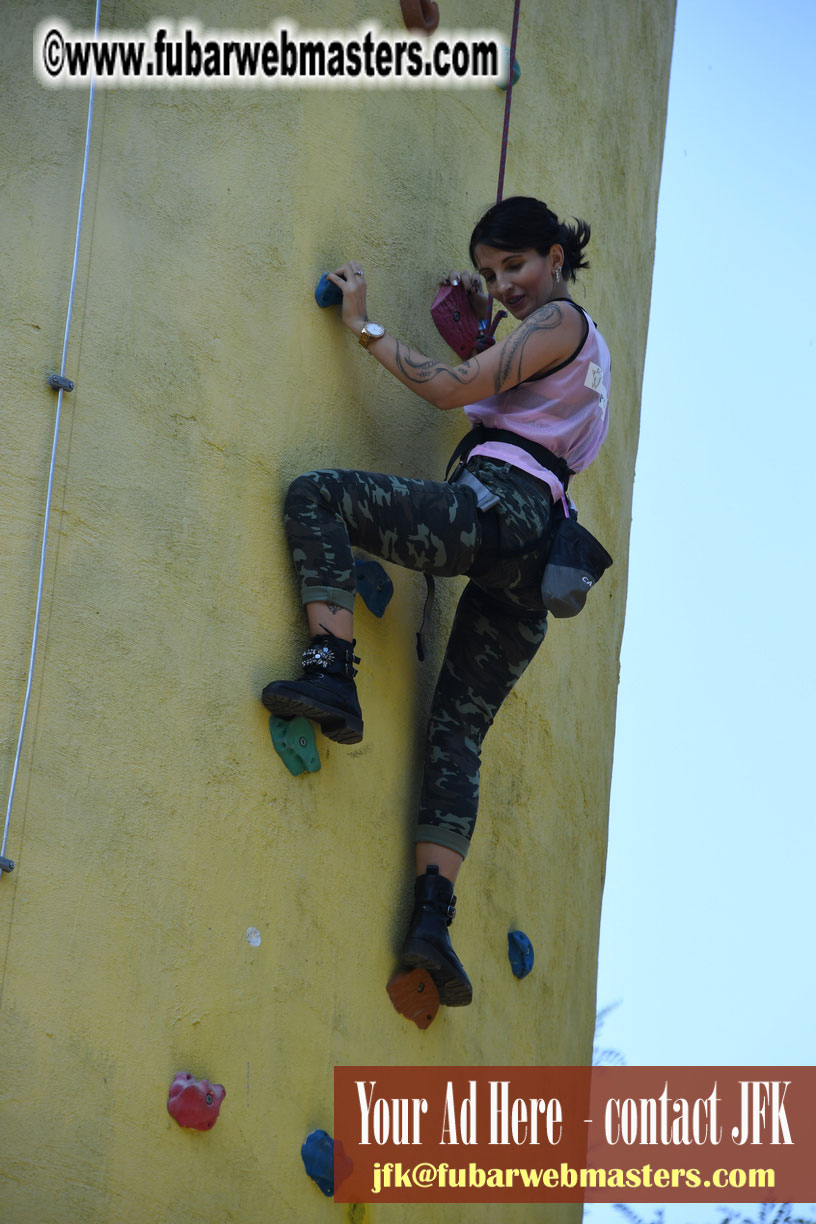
[153,824]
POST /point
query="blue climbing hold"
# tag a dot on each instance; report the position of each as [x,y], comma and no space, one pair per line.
[318,1159]
[294,741]
[520,951]
[327,293]
[516,73]
[373,584]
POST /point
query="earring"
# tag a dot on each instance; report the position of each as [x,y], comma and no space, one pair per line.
[558,275]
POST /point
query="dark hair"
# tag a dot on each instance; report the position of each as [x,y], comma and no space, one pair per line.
[521,223]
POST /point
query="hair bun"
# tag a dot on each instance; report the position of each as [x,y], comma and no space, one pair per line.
[575,238]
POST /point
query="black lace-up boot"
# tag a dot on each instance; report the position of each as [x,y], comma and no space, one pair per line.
[327,693]
[428,945]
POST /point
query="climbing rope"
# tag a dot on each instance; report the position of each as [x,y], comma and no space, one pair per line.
[508,100]
[506,125]
[63,384]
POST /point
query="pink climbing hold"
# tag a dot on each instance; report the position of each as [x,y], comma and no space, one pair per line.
[195,1103]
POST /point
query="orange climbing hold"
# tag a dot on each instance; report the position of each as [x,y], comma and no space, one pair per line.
[414,995]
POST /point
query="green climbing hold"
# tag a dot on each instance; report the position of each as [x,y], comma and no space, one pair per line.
[294,741]
[516,72]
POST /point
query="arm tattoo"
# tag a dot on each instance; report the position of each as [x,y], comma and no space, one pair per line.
[425,370]
[508,371]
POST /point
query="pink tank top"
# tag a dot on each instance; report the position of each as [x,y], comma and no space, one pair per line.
[567,411]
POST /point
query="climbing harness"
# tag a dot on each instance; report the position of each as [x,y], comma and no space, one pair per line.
[62,384]
[575,560]
[486,501]
[481,434]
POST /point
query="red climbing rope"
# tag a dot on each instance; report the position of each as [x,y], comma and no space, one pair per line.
[506,128]
[508,100]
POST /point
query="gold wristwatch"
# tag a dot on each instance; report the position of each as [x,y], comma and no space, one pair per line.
[370,333]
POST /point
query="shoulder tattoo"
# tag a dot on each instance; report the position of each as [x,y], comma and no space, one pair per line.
[546,318]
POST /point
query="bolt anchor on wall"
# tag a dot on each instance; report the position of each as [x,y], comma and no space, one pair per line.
[60,383]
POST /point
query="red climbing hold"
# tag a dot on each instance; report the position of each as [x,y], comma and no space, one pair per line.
[421,15]
[195,1103]
[414,995]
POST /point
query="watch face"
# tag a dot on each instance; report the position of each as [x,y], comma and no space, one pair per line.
[375,330]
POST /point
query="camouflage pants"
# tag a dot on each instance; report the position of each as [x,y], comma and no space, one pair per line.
[500,621]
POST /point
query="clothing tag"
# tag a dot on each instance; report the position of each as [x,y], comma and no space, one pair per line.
[594,380]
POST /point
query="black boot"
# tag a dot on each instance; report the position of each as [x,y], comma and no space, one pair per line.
[327,693]
[428,946]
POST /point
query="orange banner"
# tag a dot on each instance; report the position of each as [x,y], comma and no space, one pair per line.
[574,1134]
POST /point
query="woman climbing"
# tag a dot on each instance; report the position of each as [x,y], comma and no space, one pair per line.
[539,402]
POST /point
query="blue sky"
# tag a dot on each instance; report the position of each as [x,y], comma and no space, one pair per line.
[708,923]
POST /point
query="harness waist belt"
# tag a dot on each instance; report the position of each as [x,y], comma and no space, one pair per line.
[481,434]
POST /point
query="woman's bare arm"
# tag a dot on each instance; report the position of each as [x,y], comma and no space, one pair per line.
[545,338]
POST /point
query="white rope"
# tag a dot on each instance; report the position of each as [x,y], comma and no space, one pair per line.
[44,547]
